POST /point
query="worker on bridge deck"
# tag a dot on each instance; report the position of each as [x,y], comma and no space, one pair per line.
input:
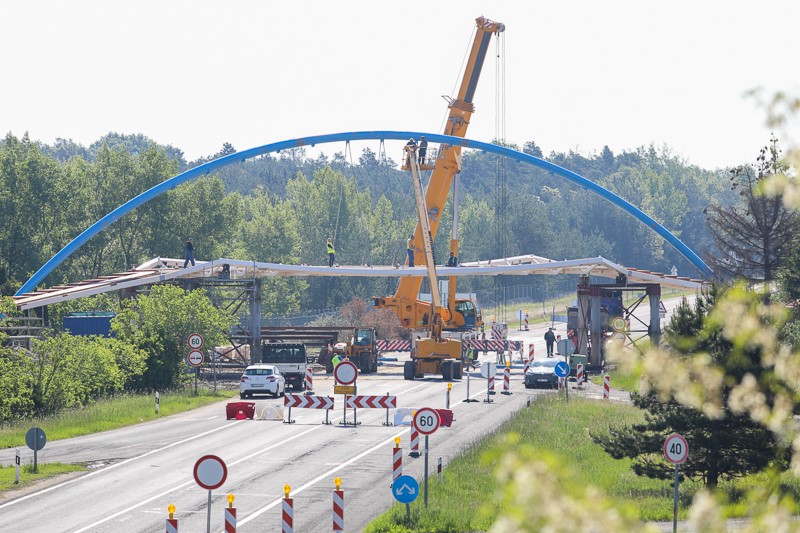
[188,253]
[331,252]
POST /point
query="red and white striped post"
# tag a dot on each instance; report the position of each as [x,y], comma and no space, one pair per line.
[561,382]
[491,385]
[287,511]
[230,516]
[414,441]
[309,381]
[397,460]
[526,321]
[579,375]
[338,507]
[606,387]
[507,379]
[172,522]
[530,352]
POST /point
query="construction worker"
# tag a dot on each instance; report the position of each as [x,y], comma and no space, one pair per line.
[453,260]
[423,149]
[411,145]
[410,250]
[188,253]
[331,252]
[335,360]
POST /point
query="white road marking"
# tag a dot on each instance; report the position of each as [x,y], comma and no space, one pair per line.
[106,469]
[157,496]
[333,470]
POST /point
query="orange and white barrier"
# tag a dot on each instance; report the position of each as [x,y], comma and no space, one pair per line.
[579,375]
[309,381]
[530,352]
[606,387]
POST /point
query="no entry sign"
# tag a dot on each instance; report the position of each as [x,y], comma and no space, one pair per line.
[210,472]
[345,373]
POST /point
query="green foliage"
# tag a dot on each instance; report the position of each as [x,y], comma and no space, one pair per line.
[723,447]
[159,324]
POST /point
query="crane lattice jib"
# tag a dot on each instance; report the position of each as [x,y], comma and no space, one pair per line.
[449,161]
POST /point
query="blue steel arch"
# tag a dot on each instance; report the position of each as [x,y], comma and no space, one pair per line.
[238,157]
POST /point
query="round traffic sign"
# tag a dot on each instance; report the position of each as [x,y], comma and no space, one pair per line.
[405,489]
[195,358]
[426,420]
[562,369]
[488,370]
[210,472]
[35,439]
[676,449]
[617,336]
[618,324]
[345,373]
[195,341]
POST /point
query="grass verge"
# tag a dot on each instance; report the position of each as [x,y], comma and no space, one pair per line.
[619,380]
[8,474]
[111,413]
[470,498]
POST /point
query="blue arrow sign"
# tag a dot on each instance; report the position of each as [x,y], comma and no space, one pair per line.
[405,489]
[562,369]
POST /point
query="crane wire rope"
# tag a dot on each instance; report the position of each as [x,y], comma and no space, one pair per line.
[347,150]
[501,186]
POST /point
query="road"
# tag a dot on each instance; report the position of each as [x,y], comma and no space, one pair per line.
[136,472]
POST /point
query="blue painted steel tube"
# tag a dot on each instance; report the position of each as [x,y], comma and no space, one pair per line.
[238,157]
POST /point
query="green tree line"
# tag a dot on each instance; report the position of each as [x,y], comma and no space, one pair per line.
[281,208]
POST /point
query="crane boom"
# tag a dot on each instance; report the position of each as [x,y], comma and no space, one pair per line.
[411,311]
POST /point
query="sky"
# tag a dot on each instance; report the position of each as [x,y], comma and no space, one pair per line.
[579,75]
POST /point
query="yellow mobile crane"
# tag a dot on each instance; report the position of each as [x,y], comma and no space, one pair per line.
[462,314]
[434,354]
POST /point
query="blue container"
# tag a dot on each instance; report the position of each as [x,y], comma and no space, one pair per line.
[98,323]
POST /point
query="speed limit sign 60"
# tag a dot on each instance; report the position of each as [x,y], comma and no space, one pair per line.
[676,449]
[426,420]
[195,341]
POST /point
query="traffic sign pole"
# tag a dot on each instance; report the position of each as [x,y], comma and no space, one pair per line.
[426,471]
[676,450]
[675,503]
[16,463]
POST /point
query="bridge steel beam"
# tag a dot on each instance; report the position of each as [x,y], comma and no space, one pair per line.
[242,156]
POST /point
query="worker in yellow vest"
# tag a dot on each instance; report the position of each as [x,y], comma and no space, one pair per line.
[331,252]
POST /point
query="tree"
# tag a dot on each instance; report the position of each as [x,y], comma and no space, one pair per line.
[721,447]
[159,324]
[751,238]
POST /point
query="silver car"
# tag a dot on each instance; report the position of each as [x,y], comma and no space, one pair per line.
[261,379]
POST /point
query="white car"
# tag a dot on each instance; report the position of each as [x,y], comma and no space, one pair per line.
[261,379]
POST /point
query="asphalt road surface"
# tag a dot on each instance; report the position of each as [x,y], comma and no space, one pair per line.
[136,472]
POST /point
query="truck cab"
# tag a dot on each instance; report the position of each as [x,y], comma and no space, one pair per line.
[290,359]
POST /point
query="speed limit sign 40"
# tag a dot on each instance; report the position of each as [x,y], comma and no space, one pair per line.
[426,420]
[676,449]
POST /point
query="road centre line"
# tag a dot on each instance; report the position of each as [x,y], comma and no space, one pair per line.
[115,465]
[143,502]
[335,469]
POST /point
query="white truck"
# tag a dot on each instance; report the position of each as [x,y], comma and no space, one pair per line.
[290,359]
